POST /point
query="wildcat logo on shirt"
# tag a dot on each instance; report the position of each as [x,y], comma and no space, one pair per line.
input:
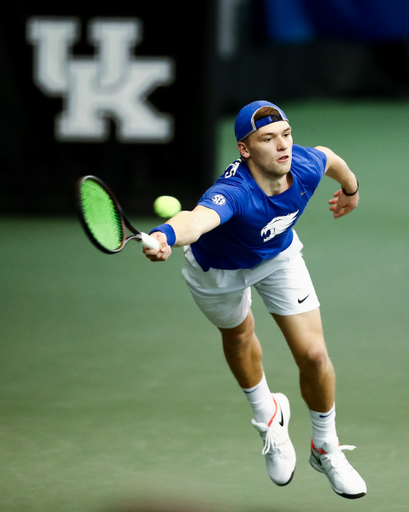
[278,225]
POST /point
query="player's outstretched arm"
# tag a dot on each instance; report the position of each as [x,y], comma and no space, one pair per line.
[337,169]
[188,227]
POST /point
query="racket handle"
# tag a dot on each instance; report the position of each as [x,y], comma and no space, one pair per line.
[149,241]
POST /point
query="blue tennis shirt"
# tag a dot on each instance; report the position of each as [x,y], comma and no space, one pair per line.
[255,227]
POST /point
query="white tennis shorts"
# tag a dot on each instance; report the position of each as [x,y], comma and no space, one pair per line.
[224,296]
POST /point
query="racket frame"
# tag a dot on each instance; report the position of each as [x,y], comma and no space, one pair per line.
[125,222]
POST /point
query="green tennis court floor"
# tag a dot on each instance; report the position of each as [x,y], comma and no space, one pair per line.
[113,387]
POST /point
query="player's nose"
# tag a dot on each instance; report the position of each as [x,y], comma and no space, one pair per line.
[282,144]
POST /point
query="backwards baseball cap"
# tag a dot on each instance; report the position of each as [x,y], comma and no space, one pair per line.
[245,124]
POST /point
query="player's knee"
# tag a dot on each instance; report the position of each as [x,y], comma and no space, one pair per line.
[237,341]
[236,337]
[314,362]
[239,337]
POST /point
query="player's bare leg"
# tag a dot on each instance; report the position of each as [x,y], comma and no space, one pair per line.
[243,352]
[272,411]
[305,338]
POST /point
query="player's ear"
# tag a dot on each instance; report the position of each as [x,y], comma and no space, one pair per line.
[243,149]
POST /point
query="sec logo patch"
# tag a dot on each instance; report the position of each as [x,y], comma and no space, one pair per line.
[219,199]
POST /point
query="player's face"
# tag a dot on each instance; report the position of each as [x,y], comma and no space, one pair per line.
[269,149]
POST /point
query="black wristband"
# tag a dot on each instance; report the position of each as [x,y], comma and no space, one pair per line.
[353,193]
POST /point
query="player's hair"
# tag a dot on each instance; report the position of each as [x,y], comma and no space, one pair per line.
[264,112]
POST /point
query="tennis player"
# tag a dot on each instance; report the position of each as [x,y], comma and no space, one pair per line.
[240,235]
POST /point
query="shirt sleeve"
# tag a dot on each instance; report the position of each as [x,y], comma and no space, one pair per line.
[223,199]
[318,160]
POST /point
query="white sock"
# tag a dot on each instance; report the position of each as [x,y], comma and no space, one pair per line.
[323,428]
[261,401]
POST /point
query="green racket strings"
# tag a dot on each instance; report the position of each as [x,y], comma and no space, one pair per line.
[101,215]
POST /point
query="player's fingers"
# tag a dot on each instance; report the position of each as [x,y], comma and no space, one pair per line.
[161,254]
[149,252]
[161,257]
[335,205]
[342,212]
[164,250]
[337,209]
[161,238]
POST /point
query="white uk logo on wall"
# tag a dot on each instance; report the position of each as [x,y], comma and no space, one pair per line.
[111,85]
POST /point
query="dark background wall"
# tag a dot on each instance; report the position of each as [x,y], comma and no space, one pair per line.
[315,48]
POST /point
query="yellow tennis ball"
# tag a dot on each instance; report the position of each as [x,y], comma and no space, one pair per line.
[167,206]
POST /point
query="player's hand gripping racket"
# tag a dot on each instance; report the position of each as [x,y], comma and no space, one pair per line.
[103,219]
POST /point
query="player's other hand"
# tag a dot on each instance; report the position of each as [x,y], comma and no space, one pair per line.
[164,251]
[342,205]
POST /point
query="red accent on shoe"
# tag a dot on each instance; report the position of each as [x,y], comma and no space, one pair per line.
[318,450]
[274,415]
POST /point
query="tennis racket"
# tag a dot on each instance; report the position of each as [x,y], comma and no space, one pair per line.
[102,217]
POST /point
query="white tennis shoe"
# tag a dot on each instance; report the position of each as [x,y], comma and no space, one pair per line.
[278,449]
[343,478]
